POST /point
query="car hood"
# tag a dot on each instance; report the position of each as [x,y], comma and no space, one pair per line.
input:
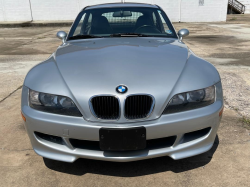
[145,65]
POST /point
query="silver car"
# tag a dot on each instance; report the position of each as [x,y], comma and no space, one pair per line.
[122,87]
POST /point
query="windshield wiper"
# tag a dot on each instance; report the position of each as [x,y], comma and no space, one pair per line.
[83,37]
[129,34]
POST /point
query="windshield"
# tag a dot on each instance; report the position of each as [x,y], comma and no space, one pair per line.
[118,22]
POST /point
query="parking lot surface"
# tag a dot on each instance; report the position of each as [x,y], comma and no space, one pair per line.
[225,45]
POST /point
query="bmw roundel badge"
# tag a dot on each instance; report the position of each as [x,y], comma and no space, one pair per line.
[121,89]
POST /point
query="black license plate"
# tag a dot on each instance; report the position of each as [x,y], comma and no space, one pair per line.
[123,139]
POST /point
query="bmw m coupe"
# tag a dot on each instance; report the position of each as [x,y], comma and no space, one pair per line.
[122,87]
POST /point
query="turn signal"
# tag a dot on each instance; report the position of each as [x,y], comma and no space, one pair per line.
[221,112]
[24,119]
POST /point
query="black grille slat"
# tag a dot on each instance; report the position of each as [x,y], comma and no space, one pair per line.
[105,107]
[138,106]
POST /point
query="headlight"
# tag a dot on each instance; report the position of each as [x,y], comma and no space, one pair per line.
[53,104]
[191,100]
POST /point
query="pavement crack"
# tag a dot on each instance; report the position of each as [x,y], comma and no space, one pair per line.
[11,94]
[3,149]
[232,107]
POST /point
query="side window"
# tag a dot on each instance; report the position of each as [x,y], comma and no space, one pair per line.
[87,27]
[165,25]
[154,19]
[79,26]
[90,19]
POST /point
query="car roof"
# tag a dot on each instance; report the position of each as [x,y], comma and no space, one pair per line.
[113,5]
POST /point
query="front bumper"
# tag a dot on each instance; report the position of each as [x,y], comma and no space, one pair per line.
[166,126]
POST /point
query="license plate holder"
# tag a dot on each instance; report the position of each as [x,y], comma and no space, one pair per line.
[122,139]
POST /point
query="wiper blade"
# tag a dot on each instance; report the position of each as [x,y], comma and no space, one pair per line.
[83,37]
[128,34]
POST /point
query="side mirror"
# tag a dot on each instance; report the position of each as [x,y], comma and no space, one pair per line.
[62,35]
[182,33]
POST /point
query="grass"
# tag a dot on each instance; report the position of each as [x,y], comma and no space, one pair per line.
[235,108]
[42,37]
[233,19]
[246,122]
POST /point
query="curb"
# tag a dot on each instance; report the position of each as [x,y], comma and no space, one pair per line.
[36,24]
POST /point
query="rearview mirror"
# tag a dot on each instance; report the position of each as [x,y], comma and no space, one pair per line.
[182,33]
[122,14]
[62,35]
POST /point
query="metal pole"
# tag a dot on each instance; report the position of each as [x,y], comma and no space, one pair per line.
[31,11]
[232,6]
[180,11]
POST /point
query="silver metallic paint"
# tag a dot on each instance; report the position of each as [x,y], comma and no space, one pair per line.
[167,125]
[62,35]
[157,66]
[112,5]
[161,67]
[183,33]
